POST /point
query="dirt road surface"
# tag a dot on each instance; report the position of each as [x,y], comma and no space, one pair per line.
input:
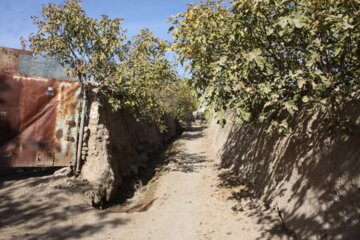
[186,199]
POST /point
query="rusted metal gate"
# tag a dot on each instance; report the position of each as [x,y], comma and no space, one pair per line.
[38,115]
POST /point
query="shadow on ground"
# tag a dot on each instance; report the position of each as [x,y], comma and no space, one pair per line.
[34,206]
[251,206]
[46,207]
[172,158]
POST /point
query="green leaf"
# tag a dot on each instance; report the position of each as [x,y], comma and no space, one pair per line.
[301,83]
[245,115]
[305,99]
[171,29]
[270,31]
[291,107]
[298,21]
[255,55]
[262,118]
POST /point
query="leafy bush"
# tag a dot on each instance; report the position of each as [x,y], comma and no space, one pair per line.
[263,59]
[141,77]
[178,100]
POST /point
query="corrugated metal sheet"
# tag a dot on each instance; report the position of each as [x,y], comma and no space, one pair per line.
[38,116]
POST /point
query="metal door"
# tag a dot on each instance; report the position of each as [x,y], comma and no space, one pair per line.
[40,119]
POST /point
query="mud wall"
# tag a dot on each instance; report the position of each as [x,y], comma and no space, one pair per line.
[115,146]
[312,176]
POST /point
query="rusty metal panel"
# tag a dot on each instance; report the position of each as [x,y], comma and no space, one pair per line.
[67,120]
[9,59]
[9,117]
[46,116]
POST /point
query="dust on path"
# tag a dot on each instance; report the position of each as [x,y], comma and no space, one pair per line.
[186,200]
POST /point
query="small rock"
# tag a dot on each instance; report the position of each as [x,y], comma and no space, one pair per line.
[64,172]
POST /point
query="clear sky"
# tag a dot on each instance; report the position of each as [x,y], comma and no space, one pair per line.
[15,15]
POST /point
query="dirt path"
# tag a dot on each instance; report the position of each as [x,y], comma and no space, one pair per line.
[184,201]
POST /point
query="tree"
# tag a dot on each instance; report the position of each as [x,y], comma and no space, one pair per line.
[138,79]
[92,49]
[132,74]
[265,60]
[178,99]
[147,82]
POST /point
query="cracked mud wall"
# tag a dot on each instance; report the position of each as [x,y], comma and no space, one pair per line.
[115,146]
[313,178]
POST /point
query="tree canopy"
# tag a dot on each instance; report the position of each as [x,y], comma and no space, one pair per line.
[133,74]
[262,59]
